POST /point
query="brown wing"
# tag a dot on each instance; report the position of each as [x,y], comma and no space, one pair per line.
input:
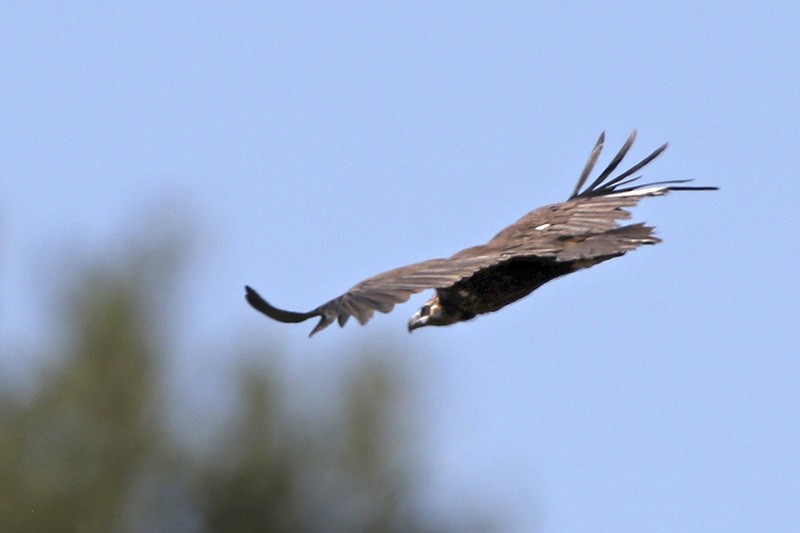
[381,292]
[587,225]
[581,228]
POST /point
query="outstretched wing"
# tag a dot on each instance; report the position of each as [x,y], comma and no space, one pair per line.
[587,225]
[381,292]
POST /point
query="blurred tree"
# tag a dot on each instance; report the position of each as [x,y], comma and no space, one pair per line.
[349,474]
[72,451]
[88,449]
[252,481]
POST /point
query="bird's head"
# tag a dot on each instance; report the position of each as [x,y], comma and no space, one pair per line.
[433,313]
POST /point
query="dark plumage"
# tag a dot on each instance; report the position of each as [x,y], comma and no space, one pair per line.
[547,243]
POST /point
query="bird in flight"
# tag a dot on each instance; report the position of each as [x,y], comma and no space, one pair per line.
[547,243]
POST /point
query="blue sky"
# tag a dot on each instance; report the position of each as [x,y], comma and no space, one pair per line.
[316,145]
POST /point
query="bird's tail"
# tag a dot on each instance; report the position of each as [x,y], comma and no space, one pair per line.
[613,243]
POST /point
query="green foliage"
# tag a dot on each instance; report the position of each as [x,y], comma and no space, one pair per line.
[89,448]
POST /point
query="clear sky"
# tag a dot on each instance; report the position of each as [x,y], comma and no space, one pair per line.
[316,145]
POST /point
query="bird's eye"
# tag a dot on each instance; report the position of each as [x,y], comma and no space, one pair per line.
[425,310]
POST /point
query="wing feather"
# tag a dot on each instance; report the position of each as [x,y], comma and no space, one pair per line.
[612,166]
[570,230]
[587,168]
[381,292]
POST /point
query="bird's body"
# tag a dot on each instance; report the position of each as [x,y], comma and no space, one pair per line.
[493,288]
[545,244]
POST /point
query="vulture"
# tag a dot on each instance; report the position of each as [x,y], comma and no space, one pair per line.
[547,243]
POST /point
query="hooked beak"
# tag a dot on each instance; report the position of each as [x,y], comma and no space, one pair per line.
[417,321]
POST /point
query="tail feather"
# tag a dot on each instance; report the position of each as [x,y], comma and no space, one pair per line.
[612,243]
